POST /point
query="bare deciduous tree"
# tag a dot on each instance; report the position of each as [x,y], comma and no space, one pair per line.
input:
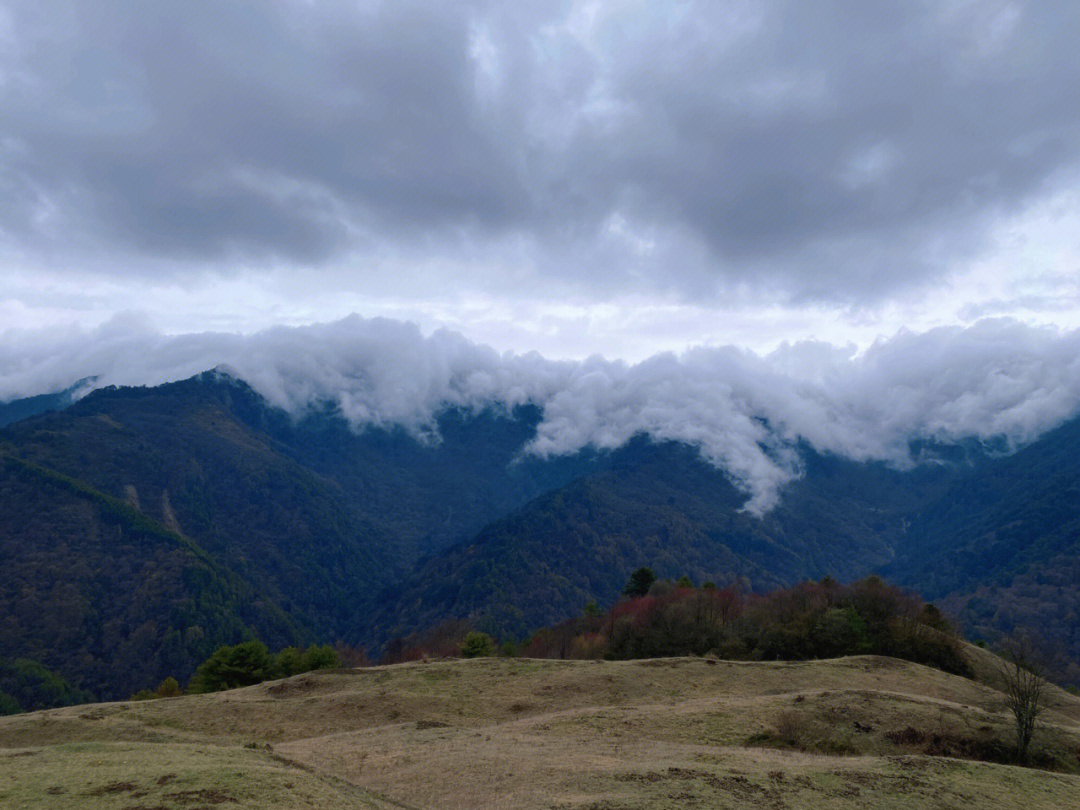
[1025,690]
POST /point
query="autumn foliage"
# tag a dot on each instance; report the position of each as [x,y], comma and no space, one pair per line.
[811,620]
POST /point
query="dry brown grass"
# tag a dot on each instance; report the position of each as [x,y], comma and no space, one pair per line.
[151,776]
[542,734]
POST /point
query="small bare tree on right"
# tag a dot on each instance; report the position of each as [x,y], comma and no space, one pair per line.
[1025,690]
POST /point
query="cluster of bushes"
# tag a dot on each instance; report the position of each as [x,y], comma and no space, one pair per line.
[443,640]
[663,618]
[26,686]
[251,662]
[246,664]
[810,620]
[450,639]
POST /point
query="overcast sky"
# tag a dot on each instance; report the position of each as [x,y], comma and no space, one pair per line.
[571,177]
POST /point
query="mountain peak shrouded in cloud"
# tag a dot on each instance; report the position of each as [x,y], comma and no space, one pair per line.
[727,154]
[999,380]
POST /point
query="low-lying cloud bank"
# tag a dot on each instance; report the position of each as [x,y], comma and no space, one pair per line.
[996,379]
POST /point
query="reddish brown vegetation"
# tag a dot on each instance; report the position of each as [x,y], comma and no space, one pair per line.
[811,620]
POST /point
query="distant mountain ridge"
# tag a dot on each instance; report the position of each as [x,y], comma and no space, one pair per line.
[25,407]
[317,532]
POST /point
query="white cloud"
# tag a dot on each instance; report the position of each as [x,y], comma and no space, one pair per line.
[997,378]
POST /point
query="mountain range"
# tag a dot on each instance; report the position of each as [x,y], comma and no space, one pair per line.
[141,527]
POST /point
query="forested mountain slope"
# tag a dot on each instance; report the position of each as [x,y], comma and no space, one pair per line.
[179,455]
[1001,546]
[107,597]
[659,504]
[318,531]
[432,490]
[310,517]
[19,409]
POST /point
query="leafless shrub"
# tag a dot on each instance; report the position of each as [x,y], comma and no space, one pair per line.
[790,727]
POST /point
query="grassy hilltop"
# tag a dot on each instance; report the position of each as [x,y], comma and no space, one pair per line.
[858,732]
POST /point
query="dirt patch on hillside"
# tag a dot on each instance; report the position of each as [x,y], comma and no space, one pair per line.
[205,796]
[114,787]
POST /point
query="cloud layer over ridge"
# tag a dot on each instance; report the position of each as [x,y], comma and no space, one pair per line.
[996,379]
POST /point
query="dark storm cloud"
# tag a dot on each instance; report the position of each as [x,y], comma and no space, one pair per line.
[832,150]
[206,128]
